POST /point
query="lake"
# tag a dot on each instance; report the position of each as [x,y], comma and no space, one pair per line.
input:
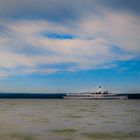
[60,119]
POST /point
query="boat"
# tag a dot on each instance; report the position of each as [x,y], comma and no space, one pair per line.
[97,95]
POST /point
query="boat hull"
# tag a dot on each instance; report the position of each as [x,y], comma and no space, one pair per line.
[98,98]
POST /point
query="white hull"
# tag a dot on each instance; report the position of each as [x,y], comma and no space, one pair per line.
[99,95]
[97,98]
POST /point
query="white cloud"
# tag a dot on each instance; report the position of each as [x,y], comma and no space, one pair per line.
[121,29]
[91,50]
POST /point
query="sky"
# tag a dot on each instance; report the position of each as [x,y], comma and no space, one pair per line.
[49,46]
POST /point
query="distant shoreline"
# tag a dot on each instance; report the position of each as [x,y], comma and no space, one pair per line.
[51,95]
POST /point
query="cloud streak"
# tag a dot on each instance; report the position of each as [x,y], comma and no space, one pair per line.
[92,41]
[62,10]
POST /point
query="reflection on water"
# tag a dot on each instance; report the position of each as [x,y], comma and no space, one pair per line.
[69,119]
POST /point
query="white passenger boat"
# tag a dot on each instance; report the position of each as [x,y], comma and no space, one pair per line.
[94,95]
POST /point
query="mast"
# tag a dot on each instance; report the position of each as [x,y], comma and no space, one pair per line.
[100,89]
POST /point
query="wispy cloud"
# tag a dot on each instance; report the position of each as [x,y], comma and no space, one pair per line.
[94,41]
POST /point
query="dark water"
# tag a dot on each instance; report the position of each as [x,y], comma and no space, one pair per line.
[69,119]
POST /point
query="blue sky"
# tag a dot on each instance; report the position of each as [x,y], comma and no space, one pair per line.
[69,46]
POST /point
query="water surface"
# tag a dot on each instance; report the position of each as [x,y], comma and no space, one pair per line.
[34,119]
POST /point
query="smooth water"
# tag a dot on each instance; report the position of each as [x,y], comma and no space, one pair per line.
[69,119]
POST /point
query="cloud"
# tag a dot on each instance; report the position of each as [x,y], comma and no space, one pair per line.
[122,5]
[120,28]
[88,41]
[62,10]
